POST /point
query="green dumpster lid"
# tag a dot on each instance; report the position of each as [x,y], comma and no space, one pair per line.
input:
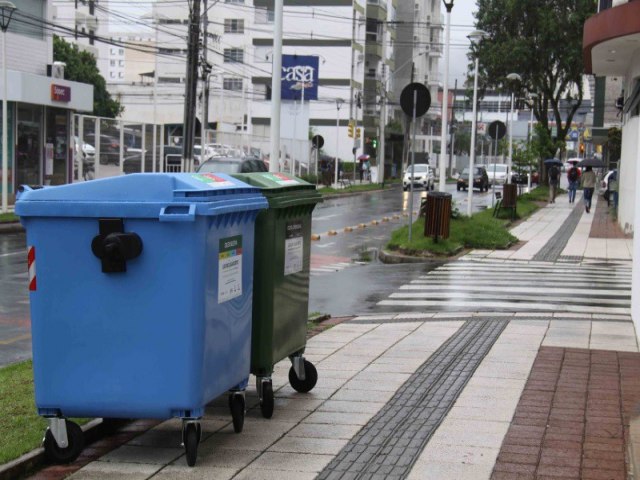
[282,190]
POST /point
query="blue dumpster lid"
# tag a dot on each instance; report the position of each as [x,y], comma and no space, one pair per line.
[143,195]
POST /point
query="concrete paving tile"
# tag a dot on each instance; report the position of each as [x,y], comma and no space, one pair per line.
[317,393]
[115,471]
[459,412]
[135,454]
[211,455]
[609,346]
[535,322]
[250,473]
[413,315]
[570,324]
[318,430]
[287,415]
[293,462]
[259,425]
[365,386]
[616,328]
[486,382]
[612,338]
[461,427]
[389,368]
[534,315]
[322,446]
[235,441]
[339,418]
[175,425]
[304,404]
[457,454]
[360,396]
[442,471]
[163,438]
[350,407]
[199,472]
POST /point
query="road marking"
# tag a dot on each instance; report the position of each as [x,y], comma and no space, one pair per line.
[11,254]
[9,341]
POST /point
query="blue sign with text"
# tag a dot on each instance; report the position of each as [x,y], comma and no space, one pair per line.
[299,72]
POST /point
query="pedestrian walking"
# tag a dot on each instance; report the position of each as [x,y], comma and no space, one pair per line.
[573,175]
[554,179]
[588,185]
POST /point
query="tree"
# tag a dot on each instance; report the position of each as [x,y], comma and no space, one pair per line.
[82,67]
[614,144]
[541,40]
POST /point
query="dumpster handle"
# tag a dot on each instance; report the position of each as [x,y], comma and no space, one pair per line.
[113,246]
[178,213]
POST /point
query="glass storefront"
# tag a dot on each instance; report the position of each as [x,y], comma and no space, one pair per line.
[57,147]
[10,175]
[29,145]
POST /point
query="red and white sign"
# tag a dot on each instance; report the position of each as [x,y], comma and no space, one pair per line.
[60,93]
[31,259]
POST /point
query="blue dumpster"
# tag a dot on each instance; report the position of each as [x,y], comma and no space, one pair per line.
[141,301]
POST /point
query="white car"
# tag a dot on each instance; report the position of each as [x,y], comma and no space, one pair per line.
[497,173]
[421,176]
[88,150]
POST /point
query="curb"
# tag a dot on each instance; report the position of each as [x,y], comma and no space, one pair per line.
[396,258]
[93,431]
[11,227]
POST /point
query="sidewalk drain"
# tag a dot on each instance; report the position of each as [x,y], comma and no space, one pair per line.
[389,445]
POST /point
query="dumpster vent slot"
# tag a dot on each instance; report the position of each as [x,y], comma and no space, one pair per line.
[113,246]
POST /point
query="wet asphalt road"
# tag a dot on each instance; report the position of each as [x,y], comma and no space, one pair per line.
[338,291]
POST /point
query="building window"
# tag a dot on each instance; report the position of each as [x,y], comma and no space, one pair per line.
[112,63]
[120,74]
[112,74]
[121,51]
[233,55]
[233,25]
[121,63]
[232,84]
[169,80]
[264,15]
[31,19]
[233,1]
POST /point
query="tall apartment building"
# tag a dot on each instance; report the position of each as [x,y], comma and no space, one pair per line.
[40,101]
[417,54]
[81,20]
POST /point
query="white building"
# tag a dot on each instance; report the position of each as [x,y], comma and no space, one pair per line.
[39,105]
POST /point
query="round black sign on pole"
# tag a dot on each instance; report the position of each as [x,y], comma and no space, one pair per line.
[497,130]
[317,141]
[423,99]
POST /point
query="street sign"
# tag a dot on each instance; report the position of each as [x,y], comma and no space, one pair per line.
[317,141]
[423,99]
[497,130]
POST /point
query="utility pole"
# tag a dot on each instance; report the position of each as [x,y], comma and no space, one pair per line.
[383,115]
[453,128]
[276,87]
[206,69]
[191,83]
[353,111]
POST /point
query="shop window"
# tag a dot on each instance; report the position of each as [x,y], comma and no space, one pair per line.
[632,103]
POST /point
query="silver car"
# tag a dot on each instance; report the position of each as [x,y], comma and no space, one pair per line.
[421,176]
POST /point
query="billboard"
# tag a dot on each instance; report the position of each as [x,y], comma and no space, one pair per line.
[299,72]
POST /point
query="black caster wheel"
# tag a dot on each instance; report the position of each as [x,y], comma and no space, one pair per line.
[191,440]
[237,406]
[310,380]
[266,399]
[75,439]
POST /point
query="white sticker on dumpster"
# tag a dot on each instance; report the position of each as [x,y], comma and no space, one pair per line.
[293,248]
[230,268]
[213,180]
[281,179]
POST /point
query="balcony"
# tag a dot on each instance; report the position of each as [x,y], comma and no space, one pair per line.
[611,37]
[373,49]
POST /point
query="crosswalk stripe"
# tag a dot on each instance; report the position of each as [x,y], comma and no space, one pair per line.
[468,285]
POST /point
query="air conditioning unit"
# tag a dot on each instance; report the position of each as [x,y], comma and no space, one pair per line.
[360,57]
[57,70]
[428,18]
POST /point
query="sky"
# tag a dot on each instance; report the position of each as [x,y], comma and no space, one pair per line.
[461,25]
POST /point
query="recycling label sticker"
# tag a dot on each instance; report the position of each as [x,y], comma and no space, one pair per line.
[213,180]
[293,248]
[230,268]
[281,179]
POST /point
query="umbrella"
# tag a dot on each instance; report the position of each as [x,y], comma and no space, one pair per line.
[573,160]
[552,161]
[364,157]
[591,162]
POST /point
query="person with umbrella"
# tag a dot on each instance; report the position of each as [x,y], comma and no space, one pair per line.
[573,175]
[588,185]
[554,177]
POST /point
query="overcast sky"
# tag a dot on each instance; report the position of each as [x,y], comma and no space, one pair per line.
[461,25]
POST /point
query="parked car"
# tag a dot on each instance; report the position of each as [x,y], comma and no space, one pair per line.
[420,176]
[86,149]
[480,179]
[233,165]
[605,186]
[497,173]
[109,148]
[521,176]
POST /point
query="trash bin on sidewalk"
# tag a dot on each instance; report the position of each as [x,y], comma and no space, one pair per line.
[141,305]
[437,215]
[281,282]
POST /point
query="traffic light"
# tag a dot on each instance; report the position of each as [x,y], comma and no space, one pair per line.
[350,130]
[374,143]
[357,133]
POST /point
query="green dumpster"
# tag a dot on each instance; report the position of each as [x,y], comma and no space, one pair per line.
[281,282]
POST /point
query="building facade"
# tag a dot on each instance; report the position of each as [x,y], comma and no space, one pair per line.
[40,101]
[611,48]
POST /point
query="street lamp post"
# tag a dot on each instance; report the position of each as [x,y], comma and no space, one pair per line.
[339,103]
[518,78]
[442,167]
[475,37]
[6,12]
[529,136]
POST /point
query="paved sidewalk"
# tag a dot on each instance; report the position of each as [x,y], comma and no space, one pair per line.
[426,394]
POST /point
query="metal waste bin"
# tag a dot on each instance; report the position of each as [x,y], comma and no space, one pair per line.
[141,304]
[509,195]
[281,282]
[437,215]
